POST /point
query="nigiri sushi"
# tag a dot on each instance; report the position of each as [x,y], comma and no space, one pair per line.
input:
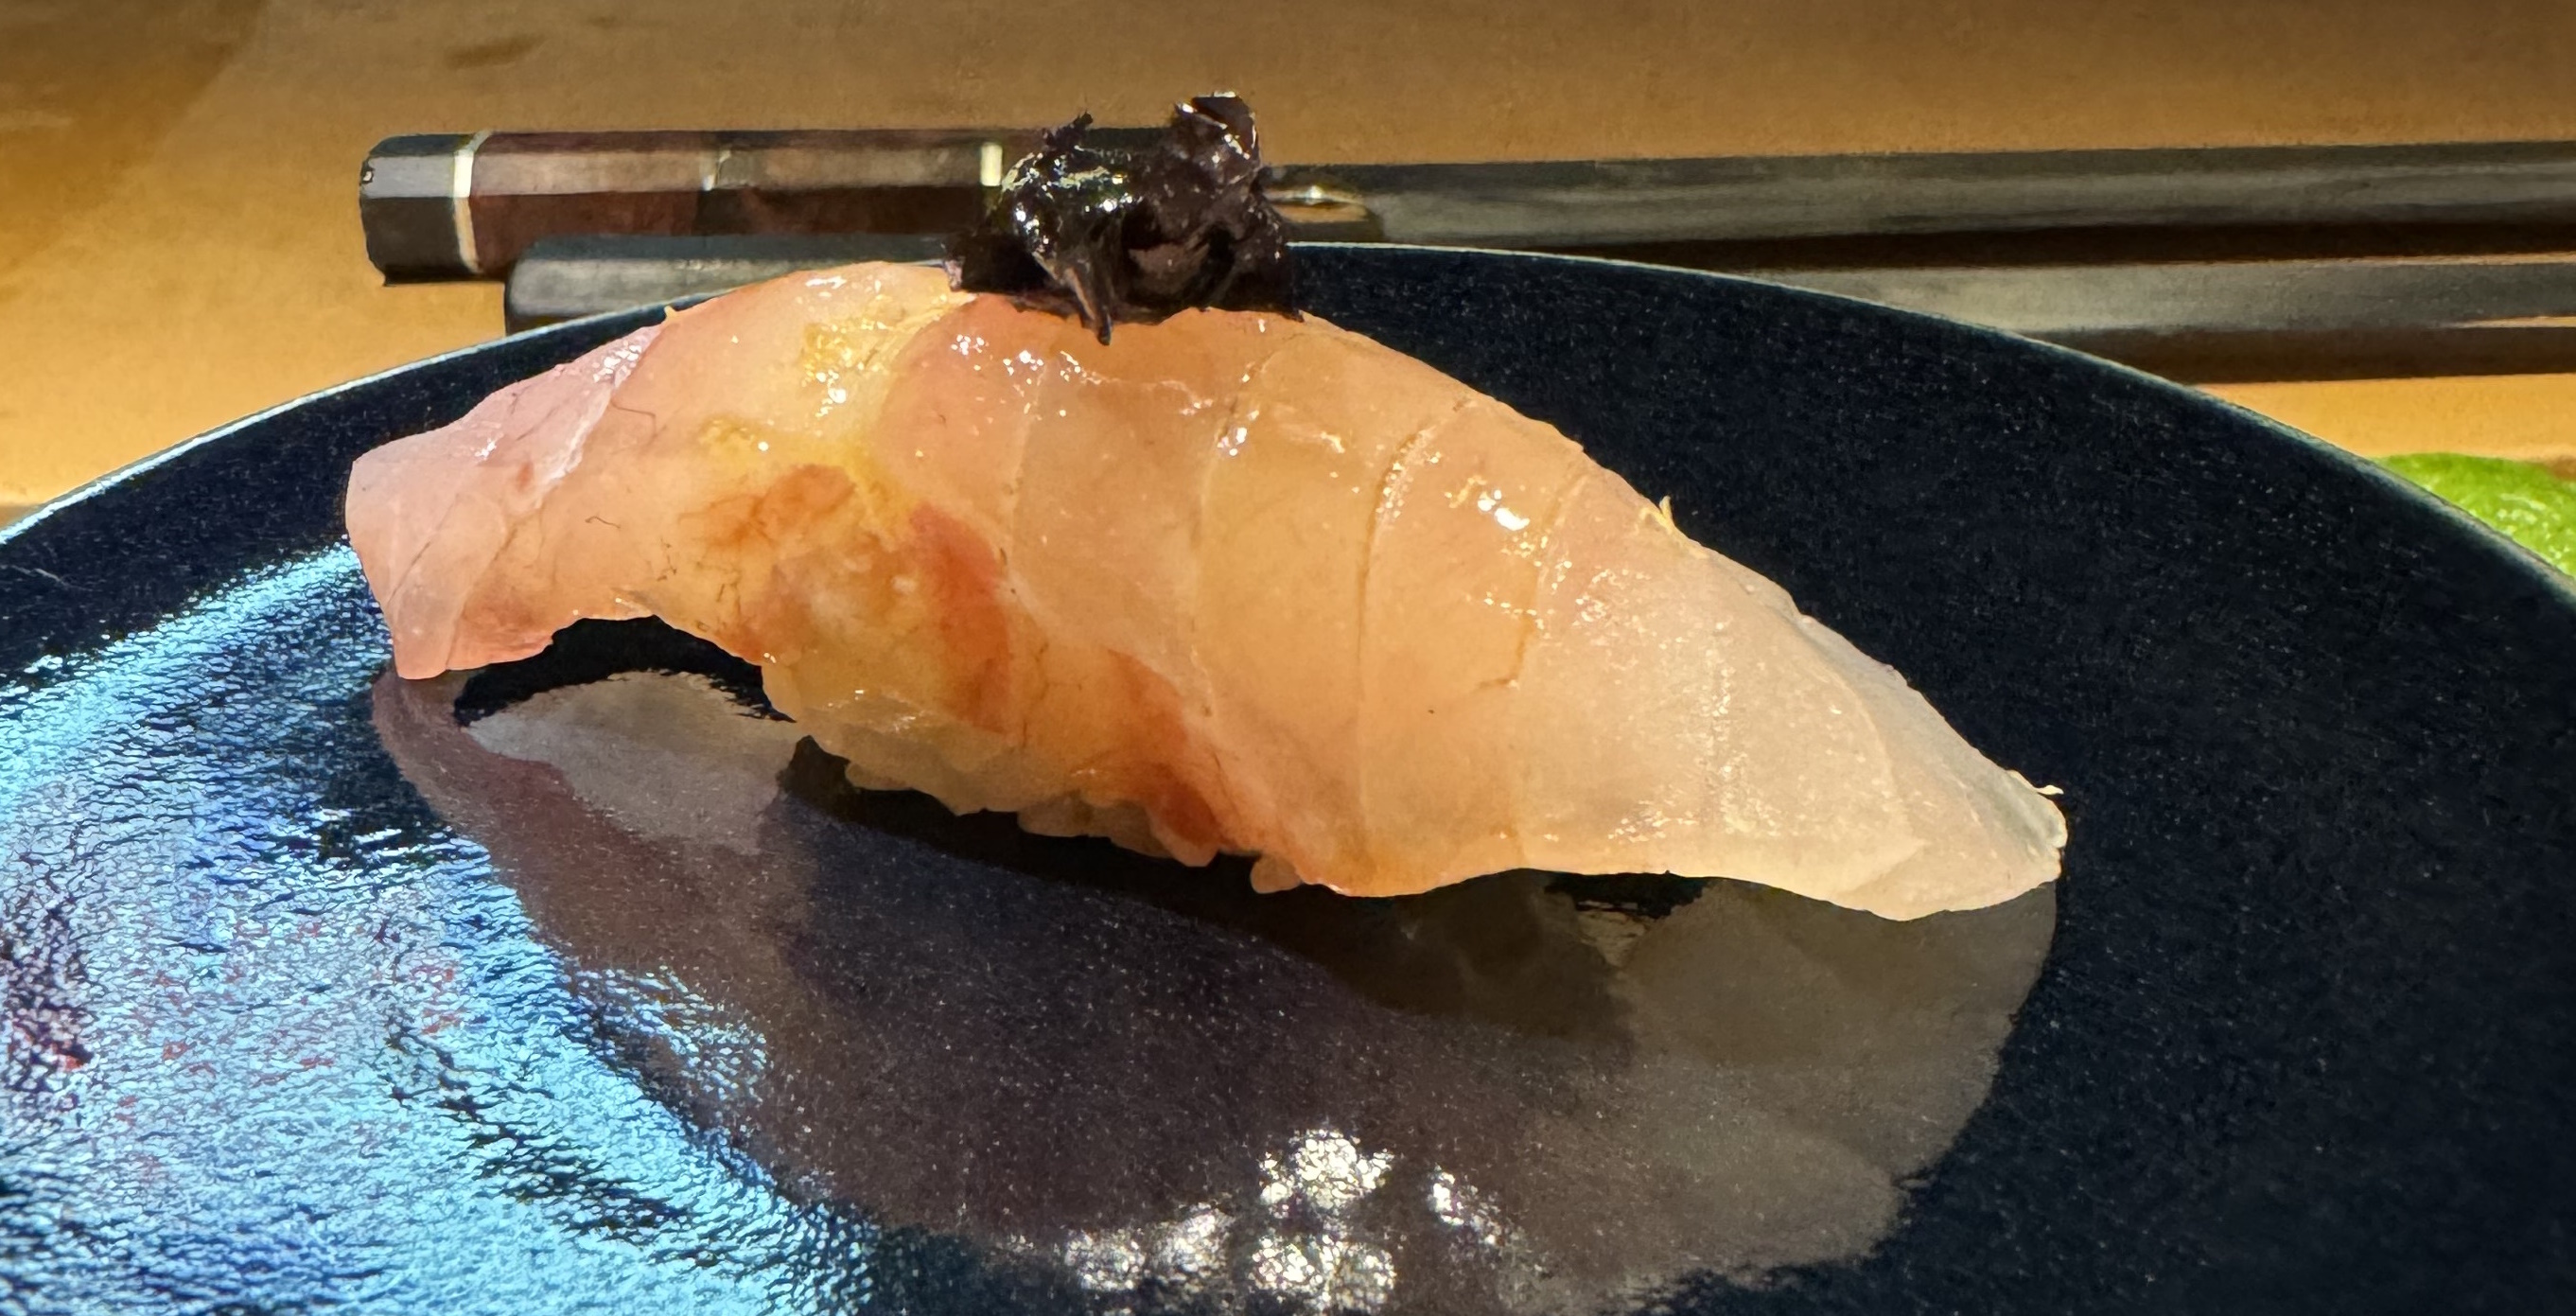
[1230,581]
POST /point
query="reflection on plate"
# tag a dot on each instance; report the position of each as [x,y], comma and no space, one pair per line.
[1147,1083]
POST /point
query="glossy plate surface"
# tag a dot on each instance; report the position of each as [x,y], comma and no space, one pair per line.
[539,991]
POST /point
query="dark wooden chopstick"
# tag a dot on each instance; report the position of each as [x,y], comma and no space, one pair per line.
[466,206]
[2207,322]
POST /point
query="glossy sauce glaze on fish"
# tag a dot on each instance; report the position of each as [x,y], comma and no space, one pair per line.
[1230,582]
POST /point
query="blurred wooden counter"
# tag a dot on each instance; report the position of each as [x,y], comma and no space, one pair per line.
[179,246]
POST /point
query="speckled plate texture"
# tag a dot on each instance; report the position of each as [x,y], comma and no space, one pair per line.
[582,984]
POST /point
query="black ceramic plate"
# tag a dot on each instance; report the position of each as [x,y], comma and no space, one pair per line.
[319,996]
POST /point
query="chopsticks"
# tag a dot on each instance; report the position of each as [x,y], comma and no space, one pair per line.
[2204,264]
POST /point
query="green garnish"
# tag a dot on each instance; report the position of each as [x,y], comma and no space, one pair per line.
[2531,506]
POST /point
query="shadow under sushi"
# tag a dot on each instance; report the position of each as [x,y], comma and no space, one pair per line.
[1488,950]
[1522,1093]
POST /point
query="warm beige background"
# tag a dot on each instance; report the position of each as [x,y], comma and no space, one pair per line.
[179,244]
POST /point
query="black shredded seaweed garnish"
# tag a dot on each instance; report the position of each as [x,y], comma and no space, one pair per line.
[1111,236]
